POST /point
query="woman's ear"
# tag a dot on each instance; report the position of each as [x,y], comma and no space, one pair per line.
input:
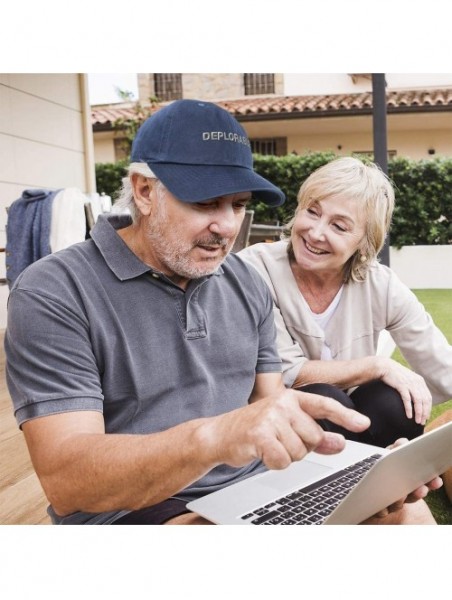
[142,189]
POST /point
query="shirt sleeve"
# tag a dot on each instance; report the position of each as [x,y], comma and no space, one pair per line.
[268,359]
[290,351]
[50,366]
[422,344]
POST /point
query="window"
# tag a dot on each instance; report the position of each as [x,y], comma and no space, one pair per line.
[259,83]
[168,86]
[269,146]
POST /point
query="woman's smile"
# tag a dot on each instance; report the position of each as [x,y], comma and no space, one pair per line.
[313,250]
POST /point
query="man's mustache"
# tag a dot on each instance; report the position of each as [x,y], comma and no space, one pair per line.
[213,241]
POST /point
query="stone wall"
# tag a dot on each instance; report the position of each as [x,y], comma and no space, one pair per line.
[212,86]
[205,86]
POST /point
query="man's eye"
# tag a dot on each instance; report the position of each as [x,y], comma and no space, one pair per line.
[205,204]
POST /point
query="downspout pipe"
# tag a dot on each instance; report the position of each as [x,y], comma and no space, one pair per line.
[88,140]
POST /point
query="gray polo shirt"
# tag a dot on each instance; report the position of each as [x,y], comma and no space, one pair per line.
[93,328]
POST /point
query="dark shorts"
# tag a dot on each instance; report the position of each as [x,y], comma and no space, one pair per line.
[157,514]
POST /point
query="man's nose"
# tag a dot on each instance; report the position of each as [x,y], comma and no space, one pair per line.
[225,222]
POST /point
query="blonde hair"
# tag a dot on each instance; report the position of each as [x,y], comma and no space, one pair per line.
[370,188]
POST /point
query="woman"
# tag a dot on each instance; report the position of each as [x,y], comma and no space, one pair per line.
[333,299]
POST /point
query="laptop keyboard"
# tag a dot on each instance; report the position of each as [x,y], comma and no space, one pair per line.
[311,505]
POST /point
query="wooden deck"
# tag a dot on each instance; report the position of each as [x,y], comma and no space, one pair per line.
[22,500]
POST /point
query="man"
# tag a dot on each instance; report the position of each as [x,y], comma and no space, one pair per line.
[142,363]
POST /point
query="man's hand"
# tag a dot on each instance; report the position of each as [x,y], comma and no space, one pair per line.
[279,429]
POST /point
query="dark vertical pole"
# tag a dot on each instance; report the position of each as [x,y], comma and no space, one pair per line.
[380,138]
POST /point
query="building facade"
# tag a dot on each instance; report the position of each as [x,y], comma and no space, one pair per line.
[303,113]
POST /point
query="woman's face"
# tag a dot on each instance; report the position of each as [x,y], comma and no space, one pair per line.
[325,235]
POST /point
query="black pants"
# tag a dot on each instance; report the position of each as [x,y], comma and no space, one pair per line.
[378,401]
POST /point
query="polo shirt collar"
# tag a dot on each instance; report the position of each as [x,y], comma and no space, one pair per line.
[118,256]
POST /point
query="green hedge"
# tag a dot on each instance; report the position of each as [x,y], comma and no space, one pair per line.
[423,213]
[109,177]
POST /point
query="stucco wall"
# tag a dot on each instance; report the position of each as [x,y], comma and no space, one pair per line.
[410,135]
[44,141]
[423,267]
[341,135]
[104,147]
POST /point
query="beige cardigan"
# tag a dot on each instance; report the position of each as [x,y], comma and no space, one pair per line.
[381,302]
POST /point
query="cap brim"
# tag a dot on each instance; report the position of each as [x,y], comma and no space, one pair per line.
[196,183]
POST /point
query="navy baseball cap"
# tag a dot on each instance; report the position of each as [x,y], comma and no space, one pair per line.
[199,151]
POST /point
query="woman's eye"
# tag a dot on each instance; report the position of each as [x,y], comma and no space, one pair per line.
[339,227]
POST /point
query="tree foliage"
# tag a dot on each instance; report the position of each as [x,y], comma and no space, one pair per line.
[423,212]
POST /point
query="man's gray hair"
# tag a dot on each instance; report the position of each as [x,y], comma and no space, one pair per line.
[126,201]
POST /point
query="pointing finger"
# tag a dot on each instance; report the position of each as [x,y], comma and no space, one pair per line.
[321,407]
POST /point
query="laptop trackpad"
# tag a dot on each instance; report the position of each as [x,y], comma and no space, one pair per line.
[296,476]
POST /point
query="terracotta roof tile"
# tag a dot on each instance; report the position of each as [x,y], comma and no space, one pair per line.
[256,107]
[108,114]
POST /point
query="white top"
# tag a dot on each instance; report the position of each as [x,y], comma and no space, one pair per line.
[322,320]
[365,309]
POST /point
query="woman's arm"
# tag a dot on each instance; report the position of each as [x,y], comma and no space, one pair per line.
[421,342]
[343,373]
[350,373]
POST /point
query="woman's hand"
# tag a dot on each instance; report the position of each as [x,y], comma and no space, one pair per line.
[411,387]
[350,373]
[417,494]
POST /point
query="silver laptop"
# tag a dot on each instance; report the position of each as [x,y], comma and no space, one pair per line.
[344,488]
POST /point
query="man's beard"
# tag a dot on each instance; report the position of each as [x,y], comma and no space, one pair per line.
[174,254]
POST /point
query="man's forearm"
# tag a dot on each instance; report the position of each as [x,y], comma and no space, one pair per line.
[97,472]
[81,468]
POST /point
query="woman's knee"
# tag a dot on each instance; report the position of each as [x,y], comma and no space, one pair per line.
[328,390]
[384,406]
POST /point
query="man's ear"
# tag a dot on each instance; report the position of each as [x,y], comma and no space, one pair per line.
[142,190]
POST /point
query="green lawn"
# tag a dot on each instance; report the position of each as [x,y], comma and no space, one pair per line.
[439,304]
